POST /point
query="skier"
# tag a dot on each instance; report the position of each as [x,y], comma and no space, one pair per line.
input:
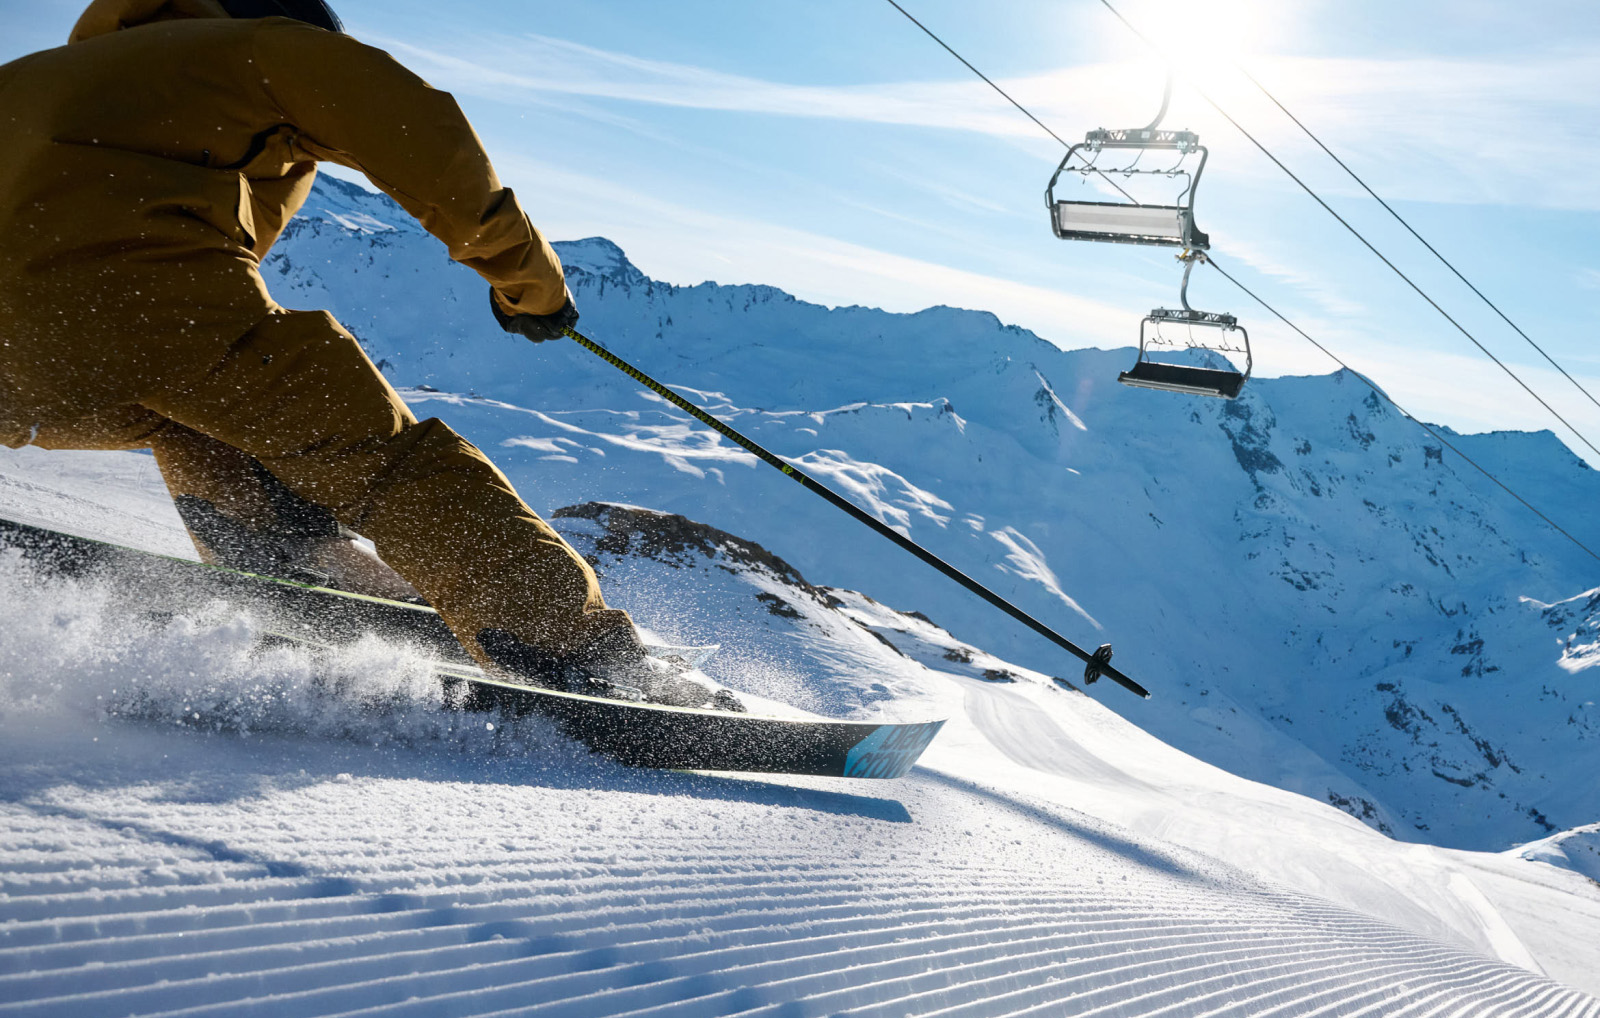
[149,165]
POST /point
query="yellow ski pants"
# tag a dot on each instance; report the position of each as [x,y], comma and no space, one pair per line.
[298,394]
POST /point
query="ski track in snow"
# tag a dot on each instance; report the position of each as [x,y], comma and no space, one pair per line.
[380,895]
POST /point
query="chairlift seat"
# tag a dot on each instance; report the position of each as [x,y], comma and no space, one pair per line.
[1183,378]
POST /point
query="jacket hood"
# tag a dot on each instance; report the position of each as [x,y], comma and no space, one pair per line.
[106,16]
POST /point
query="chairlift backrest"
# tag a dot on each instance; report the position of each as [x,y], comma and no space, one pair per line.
[1164,225]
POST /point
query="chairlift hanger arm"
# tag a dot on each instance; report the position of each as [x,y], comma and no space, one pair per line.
[1166,100]
[1188,258]
[1148,136]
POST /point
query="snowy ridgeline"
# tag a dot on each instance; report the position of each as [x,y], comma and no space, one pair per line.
[1318,595]
[190,824]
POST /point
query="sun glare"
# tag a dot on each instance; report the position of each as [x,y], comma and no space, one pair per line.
[1203,41]
[1215,29]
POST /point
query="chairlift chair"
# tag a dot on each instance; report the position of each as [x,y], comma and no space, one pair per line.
[1132,222]
[1219,333]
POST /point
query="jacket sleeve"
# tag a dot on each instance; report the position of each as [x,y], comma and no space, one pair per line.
[355,105]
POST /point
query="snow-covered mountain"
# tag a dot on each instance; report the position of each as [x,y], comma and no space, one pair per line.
[1320,596]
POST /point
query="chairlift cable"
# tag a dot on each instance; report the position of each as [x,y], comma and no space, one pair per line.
[1007,95]
[979,73]
[1278,314]
[1404,412]
[1420,239]
[1359,236]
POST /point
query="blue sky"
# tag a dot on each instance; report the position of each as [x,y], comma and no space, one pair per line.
[829,148]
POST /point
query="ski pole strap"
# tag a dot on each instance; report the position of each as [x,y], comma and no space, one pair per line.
[1097,663]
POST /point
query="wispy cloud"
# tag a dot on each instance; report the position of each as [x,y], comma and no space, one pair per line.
[1513,131]
[572,69]
[1464,131]
[952,196]
[1313,286]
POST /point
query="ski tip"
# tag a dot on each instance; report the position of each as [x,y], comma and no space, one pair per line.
[890,750]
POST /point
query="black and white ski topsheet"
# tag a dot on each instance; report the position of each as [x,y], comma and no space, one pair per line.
[640,734]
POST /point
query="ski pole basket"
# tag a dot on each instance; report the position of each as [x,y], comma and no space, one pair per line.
[1200,330]
[1133,221]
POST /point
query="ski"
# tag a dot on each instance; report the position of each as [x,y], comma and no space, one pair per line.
[634,733]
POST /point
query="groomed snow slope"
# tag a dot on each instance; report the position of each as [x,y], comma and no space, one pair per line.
[187,828]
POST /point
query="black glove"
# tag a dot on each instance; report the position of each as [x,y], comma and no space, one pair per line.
[536,327]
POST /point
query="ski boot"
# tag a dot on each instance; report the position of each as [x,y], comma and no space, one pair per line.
[616,666]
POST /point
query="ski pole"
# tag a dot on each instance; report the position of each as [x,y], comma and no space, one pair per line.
[1096,664]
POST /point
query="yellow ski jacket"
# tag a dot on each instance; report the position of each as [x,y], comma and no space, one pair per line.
[147,166]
